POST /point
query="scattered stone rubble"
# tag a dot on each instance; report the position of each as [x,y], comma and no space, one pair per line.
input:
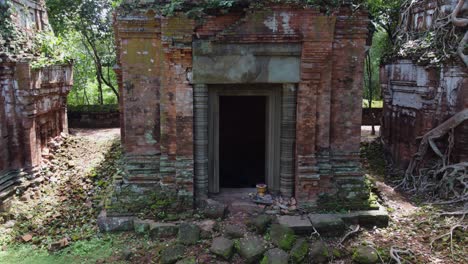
[251,237]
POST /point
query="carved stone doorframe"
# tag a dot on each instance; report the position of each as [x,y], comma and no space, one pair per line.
[273,113]
[280,134]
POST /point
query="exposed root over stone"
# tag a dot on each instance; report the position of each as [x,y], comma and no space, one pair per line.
[349,234]
[446,38]
[463,23]
[450,234]
[395,254]
[443,179]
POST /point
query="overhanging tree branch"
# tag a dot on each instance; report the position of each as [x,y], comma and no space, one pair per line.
[461,22]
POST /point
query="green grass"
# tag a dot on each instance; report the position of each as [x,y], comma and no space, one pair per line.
[375,104]
[87,251]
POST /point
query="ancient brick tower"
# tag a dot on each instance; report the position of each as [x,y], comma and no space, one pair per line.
[32,99]
[420,95]
[199,97]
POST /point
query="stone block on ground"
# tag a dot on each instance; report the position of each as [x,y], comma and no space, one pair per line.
[328,224]
[172,254]
[368,218]
[234,231]
[252,248]
[282,236]
[261,223]
[365,255]
[163,230]
[191,260]
[300,251]
[299,223]
[206,228]
[245,207]
[189,234]
[214,209]
[114,223]
[59,245]
[141,227]
[319,253]
[222,247]
[275,256]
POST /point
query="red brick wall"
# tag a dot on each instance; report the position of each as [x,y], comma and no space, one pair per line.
[32,111]
[155,58]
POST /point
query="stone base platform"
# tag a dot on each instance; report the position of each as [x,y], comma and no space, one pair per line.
[325,224]
[335,224]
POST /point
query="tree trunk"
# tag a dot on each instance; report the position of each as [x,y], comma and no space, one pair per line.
[369,85]
[100,95]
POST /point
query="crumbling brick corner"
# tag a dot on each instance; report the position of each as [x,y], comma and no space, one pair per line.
[32,100]
[419,96]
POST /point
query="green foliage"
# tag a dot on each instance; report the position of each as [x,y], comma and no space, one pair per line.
[42,47]
[386,15]
[160,204]
[107,108]
[94,250]
[373,155]
[53,50]
[86,25]
[375,104]
[198,9]
[380,47]
[7,28]
[430,47]
[68,205]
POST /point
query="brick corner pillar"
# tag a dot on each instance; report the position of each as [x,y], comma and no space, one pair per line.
[349,49]
[138,39]
[313,112]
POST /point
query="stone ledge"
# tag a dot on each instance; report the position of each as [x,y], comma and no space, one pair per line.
[114,223]
[110,223]
[333,224]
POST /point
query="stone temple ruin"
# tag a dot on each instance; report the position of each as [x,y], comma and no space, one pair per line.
[419,96]
[254,95]
[32,99]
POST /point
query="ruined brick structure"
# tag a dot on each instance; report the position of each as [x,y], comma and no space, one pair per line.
[176,74]
[418,97]
[32,101]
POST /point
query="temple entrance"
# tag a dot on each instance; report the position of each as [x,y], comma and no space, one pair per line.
[244,136]
[242,141]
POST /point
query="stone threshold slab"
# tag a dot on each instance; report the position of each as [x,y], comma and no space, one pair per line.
[335,224]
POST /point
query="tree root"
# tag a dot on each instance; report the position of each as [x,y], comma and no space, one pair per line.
[461,22]
[457,213]
[443,29]
[315,231]
[444,180]
[461,49]
[450,233]
[396,252]
[349,234]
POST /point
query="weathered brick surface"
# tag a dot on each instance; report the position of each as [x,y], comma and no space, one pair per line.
[156,65]
[417,98]
[33,111]
[32,101]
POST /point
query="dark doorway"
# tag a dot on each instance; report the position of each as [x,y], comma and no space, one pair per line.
[242,136]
